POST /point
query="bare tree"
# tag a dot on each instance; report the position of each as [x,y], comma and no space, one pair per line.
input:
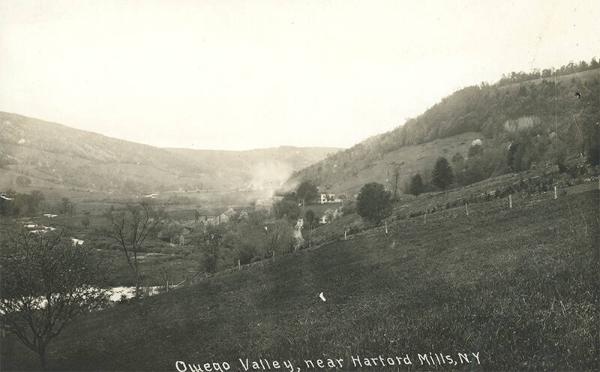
[279,237]
[46,282]
[310,220]
[396,173]
[130,228]
[166,277]
[210,243]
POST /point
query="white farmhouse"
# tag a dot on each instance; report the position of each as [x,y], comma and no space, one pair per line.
[327,198]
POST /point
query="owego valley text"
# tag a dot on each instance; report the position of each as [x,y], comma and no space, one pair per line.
[354,361]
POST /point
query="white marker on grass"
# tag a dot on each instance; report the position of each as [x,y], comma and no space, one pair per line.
[322,297]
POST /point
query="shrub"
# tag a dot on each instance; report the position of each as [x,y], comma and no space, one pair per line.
[374,202]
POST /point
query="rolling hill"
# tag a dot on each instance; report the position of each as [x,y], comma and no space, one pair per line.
[38,154]
[550,117]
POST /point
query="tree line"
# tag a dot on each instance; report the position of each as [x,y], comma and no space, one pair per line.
[570,68]
[16,204]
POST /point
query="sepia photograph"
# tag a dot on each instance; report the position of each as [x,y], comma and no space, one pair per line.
[299,185]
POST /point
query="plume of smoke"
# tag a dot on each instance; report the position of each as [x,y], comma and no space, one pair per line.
[269,176]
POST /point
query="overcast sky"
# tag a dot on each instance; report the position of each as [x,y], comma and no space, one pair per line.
[229,74]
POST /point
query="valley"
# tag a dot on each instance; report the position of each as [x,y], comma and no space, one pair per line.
[321,257]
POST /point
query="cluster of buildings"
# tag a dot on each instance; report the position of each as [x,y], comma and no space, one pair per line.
[220,218]
[327,207]
[329,214]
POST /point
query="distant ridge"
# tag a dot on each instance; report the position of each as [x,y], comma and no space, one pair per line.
[38,154]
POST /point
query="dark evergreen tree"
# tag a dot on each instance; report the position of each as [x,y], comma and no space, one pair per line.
[442,175]
[416,186]
[513,157]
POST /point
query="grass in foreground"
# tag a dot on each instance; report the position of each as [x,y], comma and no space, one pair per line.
[518,286]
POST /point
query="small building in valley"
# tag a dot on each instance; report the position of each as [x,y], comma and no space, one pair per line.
[328,198]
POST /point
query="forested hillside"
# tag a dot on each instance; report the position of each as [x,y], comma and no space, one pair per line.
[539,118]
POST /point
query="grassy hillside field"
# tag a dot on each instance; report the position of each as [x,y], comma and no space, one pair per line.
[348,176]
[519,286]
